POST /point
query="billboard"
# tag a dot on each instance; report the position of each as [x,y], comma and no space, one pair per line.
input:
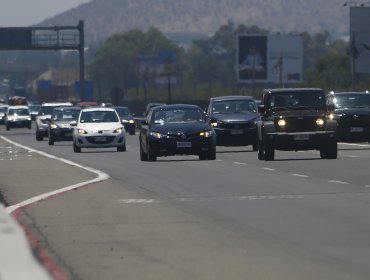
[360,38]
[15,38]
[269,59]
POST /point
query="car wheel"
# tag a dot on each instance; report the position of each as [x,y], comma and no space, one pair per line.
[132,132]
[7,127]
[329,151]
[76,149]
[121,148]
[29,126]
[212,155]
[143,155]
[38,136]
[51,141]
[268,151]
[255,147]
[202,156]
[260,150]
[151,155]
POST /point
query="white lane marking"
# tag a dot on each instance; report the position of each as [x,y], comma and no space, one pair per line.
[101,176]
[268,169]
[338,182]
[353,144]
[352,156]
[299,175]
[212,199]
[367,186]
[239,163]
[219,160]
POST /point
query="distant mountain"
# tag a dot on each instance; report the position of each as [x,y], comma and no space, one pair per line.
[105,17]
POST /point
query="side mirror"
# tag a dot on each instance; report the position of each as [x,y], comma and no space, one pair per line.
[73,123]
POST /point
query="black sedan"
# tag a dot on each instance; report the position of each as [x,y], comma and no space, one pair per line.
[234,120]
[59,127]
[126,118]
[352,112]
[177,130]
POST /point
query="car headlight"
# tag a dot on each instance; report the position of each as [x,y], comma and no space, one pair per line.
[281,123]
[334,116]
[214,124]
[53,126]
[320,122]
[118,130]
[206,134]
[131,121]
[11,119]
[157,135]
[81,131]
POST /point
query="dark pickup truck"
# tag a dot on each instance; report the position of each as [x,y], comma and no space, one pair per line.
[295,119]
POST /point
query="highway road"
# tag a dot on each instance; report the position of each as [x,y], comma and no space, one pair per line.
[298,217]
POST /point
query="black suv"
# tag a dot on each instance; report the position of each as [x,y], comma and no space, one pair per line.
[295,119]
[234,120]
[352,112]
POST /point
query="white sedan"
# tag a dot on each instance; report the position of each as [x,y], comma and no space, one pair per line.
[98,128]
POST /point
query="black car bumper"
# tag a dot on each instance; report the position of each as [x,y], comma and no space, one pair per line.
[354,133]
[236,137]
[61,134]
[23,123]
[168,147]
[129,127]
[313,140]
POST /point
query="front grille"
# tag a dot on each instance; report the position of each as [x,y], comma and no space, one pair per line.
[236,125]
[299,124]
[100,139]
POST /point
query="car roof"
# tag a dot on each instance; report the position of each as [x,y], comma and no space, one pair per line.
[18,107]
[94,109]
[56,104]
[61,108]
[349,92]
[175,106]
[232,97]
[277,90]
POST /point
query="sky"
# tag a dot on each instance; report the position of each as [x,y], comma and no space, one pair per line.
[14,13]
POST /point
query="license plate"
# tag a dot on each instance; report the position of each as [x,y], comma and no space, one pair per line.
[183,144]
[100,139]
[236,131]
[356,129]
[301,137]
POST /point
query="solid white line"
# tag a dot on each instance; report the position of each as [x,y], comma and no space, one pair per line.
[353,144]
[299,175]
[101,177]
[352,156]
[268,169]
[338,182]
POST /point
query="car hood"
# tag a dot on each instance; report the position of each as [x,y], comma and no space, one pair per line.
[354,111]
[187,128]
[99,126]
[44,117]
[62,123]
[236,117]
[126,118]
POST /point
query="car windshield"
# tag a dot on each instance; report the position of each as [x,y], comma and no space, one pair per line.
[351,100]
[123,112]
[234,107]
[18,112]
[296,100]
[34,107]
[46,110]
[3,109]
[183,115]
[98,117]
[66,115]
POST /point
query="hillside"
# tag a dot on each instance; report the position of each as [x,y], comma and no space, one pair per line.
[105,17]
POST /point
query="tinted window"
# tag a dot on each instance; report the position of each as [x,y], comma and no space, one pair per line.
[178,116]
[98,117]
[296,99]
[351,100]
[234,107]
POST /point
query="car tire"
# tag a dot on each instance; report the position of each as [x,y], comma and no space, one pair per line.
[202,156]
[212,155]
[260,152]
[151,155]
[255,147]
[132,132]
[38,136]
[29,126]
[121,148]
[51,141]
[7,127]
[76,149]
[143,155]
[329,151]
[268,152]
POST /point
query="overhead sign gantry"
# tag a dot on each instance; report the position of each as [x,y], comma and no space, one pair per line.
[47,38]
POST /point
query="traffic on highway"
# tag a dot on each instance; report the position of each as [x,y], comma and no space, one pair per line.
[170,207]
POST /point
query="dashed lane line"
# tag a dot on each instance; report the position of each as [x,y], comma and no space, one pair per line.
[299,175]
[338,182]
[240,163]
[268,169]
